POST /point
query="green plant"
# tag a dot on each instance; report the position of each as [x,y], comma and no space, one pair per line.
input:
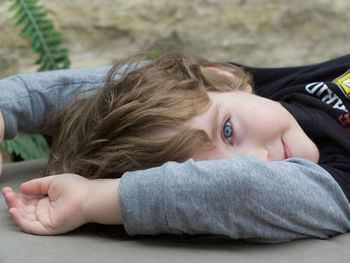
[47,43]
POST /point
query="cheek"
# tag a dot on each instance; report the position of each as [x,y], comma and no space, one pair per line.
[218,153]
[274,112]
[256,119]
[265,119]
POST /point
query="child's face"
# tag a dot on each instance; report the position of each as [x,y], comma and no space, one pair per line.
[248,124]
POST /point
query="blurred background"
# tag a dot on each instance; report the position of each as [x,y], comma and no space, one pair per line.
[254,32]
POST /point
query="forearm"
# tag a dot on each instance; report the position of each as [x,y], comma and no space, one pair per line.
[240,197]
[102,203]
[28,100]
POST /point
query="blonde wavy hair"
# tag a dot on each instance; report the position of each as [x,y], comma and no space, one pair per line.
[125,124]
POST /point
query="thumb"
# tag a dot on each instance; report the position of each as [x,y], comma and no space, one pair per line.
[39,186]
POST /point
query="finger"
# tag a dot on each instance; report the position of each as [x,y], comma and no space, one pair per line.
[25,204]
[11,199]
[39,186]
[28,226]
[6,189]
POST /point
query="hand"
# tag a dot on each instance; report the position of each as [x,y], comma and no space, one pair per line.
[61,203]
[49,205]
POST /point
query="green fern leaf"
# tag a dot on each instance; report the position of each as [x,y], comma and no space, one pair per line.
[46,43]
[27,146]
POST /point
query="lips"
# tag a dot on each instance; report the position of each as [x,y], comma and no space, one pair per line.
[287,151]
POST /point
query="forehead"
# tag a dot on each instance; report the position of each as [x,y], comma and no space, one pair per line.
[234,102]
[209,119]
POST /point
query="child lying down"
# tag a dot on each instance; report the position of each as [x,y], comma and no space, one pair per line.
[181,144]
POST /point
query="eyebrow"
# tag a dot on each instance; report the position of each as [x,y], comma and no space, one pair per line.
[215,122]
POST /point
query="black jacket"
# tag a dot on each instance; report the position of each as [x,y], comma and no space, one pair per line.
[318,96]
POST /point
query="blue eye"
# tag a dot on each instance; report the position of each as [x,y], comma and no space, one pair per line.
[228,131]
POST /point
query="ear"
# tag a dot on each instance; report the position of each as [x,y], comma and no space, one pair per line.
[228,74]
[220,72]
[248,89]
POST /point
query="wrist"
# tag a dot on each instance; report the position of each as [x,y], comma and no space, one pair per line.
[102,202]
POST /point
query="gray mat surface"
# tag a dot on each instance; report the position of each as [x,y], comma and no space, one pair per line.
[94,243]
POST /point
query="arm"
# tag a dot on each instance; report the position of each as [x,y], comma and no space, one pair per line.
[251,202]
[241,197]
[28,100]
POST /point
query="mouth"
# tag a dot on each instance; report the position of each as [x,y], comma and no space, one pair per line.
[287,151]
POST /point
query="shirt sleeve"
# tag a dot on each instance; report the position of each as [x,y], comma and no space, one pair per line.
[240,197]
[28,100]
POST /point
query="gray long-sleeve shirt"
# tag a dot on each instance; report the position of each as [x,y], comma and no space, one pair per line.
[240,197]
